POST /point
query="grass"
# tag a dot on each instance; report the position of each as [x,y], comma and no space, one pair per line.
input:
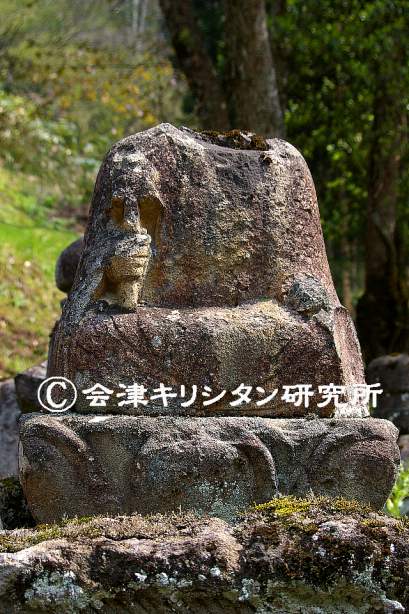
[30,241]
[399,493]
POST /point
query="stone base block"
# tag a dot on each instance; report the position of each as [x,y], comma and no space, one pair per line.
[85,465]
[262,343]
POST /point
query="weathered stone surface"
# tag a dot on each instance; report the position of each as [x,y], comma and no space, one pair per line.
[81,465]
[261,344]
[67,265]
[204,263]
[392,371]
[9,416]
[27,384]
[307,556]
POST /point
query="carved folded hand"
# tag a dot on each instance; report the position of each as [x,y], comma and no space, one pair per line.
[127,267]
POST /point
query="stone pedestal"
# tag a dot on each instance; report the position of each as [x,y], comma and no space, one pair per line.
[82,465]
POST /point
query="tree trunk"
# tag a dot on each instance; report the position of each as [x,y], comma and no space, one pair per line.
[138,9]
[250,75]
[246,95]
[196,64]
[382,312]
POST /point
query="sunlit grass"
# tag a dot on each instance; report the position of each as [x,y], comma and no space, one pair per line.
[29,300]
[399,493]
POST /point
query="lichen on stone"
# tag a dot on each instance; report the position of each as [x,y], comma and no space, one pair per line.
[56,588]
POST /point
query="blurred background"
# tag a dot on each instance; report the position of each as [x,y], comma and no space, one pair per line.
[330,76]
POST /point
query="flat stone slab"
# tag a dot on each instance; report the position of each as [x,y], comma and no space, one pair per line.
[85,465]
[309,556]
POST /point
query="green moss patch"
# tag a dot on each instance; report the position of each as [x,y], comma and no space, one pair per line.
[287,506]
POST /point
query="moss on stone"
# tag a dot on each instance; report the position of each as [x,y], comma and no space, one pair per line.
[13,541]
[236,139]
[90,527]
[289,513]
[287,506]
[302,515]
[289,554]
[284,506]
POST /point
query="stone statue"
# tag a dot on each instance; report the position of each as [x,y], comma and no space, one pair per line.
[203,267]
[204,262]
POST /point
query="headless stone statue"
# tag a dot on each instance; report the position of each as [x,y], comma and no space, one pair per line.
[203,265]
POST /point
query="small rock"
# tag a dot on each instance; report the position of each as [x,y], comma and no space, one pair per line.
[67,264]
[9,415]
[392,372]
[308,296]
[27,384]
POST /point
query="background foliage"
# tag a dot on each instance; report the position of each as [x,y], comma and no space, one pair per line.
[73,80]
[76,76]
